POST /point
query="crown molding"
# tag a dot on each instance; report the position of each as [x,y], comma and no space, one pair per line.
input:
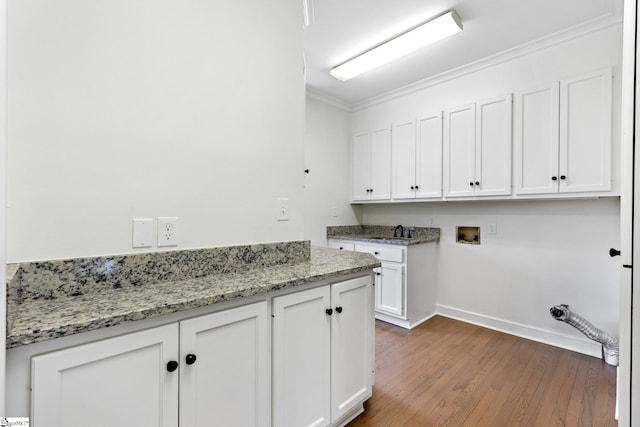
[323,97]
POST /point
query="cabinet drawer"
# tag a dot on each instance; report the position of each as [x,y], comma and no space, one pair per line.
[383,252]
[338,244]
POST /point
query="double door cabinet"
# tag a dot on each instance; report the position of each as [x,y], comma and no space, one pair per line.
[559,136]
[210,370]
[216,369]
[323,354]
[563,136]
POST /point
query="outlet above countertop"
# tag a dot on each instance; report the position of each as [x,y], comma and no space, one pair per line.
[384,234]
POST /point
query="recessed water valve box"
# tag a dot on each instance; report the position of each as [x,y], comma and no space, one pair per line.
[468,235]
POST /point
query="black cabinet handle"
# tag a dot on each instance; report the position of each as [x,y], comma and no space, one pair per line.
[412,187]
[563,177]
[376,253]
[471,184]
[339,309]
[378,274]
[340,248]
[190,359]
[477,182]
[416,187]
[172,365]
[614,252]
[329,311]
[554,178]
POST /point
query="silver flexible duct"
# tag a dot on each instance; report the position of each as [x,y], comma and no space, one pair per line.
[610,345]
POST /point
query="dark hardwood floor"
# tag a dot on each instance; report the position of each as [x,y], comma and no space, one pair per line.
[450,373]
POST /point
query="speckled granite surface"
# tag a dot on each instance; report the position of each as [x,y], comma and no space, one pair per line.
[383,234]
[52,299]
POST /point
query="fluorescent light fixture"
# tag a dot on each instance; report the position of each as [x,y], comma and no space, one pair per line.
[400,45]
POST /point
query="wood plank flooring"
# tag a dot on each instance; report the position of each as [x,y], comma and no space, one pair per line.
[450,373]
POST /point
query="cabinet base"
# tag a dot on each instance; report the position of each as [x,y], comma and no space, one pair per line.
[403,323]
[357,410]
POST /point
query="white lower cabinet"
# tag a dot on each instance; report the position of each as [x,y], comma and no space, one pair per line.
[405,283]
[210,370]
[323,358]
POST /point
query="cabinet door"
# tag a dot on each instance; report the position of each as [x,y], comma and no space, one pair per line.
[301,359]
[351,345]
[459,151]
[340,244]
[381,164]
[493,147]
[390,290]
[361,166]
[585,132]
[429,156]
[229,382]
[403,153]
[536,140]
[118,381]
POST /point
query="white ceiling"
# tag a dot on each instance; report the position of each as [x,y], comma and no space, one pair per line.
[340,29]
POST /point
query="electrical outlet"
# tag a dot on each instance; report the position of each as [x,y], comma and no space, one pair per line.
[142,233]
[282,212]
[167,231]
[334,212]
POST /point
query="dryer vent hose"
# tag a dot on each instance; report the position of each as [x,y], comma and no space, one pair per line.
[610,344]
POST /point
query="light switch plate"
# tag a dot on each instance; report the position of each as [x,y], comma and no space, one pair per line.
[142,233]
[282,212]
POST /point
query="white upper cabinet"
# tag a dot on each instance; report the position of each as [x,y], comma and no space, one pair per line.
[429,156]
[371,159]
[563,136]
[477,149]
[403,153]
[536,139]
[459,151]
[585,132]
[493,147]
[417,158]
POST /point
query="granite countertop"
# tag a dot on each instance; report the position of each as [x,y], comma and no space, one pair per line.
[96,301]
[383,234]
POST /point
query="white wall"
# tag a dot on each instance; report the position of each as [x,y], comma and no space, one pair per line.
[120,110]
[327,158]
[545,252]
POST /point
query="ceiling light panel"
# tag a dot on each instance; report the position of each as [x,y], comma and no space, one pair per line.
[409,41]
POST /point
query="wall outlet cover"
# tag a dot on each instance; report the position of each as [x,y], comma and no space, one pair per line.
[167,231]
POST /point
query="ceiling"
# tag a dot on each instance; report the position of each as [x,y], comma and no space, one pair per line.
[340,29]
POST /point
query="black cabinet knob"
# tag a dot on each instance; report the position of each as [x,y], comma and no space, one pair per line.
[471,184]
[340,248]
[339,309]
[613,252]
[378,274]
[329,311]
[190,359]
[563,177]
[416,187]
[376,253]
[554,178]
[412,187]
[477,182]
[172,365]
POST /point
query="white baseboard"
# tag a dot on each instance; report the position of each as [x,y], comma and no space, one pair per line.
[584,346]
